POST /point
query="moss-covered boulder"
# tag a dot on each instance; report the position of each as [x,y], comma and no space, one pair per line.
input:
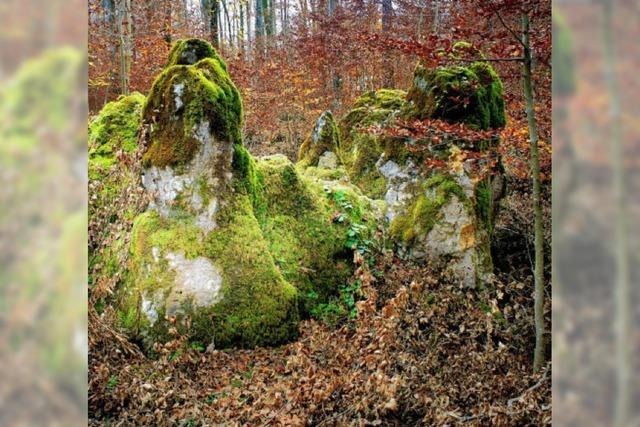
[362,150]
[441,214]
[190,105]
[320,147]
[231,250]
[459,94]
[114,129]
[199,260]
[440,223]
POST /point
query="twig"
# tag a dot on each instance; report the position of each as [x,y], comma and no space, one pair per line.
[504,24]
[518,58]
[513,400]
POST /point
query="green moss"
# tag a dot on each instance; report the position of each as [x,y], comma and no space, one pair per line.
[325,137]
[187,105]
[115,128]
[259,306]
[424,212]
[322,173]
[306,222]
[484,204]
[459,94]
[190,51]
[360,148]
[41,95]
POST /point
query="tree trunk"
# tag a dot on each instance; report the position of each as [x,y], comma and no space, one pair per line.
[167,23]
[623,324]
[387,23]
[538,355]
[259,19]
[214,29]
[124,28]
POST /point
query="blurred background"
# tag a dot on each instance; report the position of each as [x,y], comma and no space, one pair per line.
[43,116]
[596,207]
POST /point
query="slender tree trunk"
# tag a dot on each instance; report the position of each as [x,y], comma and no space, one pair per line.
[622,287]
[387,23]
[538,355]
[214,29]
[226,14]
[124,27]
[241,33]
[259,19]
[436,15]
[167,23]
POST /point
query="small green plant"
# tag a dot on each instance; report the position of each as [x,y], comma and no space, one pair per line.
[341,308]
[198,346]
[112,382]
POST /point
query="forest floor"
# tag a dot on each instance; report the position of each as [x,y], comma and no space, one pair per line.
[421,351]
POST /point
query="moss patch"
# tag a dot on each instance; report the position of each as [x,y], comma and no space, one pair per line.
[459,94]
[424,212]
[190,51]
[307,226]
[114,128]
[360,148]
[259,306]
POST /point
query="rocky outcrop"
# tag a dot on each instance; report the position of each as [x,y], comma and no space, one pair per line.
[446,215]
[233,250]
[320,147]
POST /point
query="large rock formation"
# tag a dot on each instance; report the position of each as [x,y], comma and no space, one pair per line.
[234,250]
[231,250]
[446,215]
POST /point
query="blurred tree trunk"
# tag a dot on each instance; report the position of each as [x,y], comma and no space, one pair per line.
[228,19]
[259,19]
[538,275]
[624,372]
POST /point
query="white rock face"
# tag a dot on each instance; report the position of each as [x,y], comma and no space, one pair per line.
[206,219]
[196,279]
[317,129]
[178,90]
[399,182]
[456,237]
[328,160]
[167,186]
[149,310]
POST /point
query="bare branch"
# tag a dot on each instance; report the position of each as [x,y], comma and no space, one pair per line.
[504,24]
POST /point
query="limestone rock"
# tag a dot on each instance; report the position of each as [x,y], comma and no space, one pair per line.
[445,215]
[231,249]
[198,252]
[328,160]
[324,138]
